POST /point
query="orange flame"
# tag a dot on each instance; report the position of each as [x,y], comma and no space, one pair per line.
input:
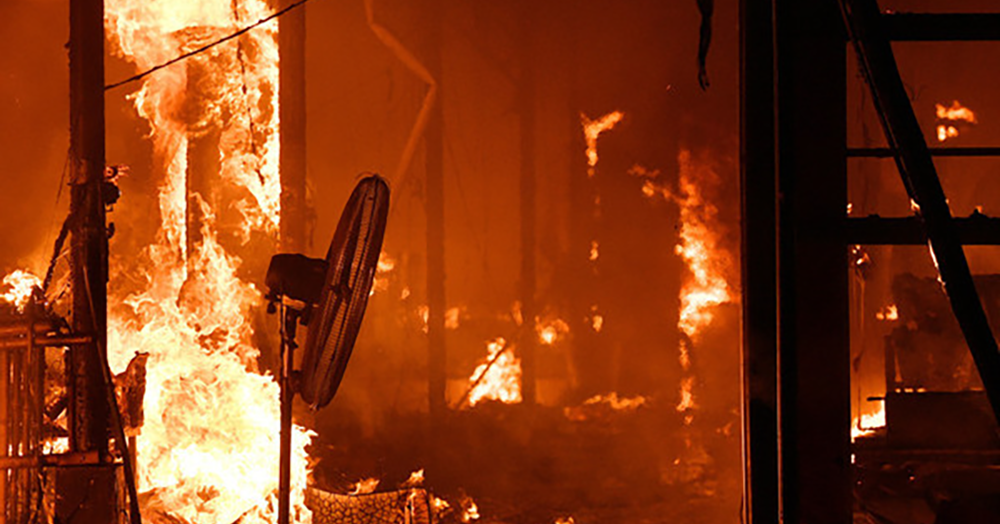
[950,117]
[550,331]
[868,423]
[706,286]
[365,486]
[592,129]
[20,285]
[209,446]
[499,381]
[890,312]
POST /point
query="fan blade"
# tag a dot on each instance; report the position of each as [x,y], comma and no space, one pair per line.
[352,259]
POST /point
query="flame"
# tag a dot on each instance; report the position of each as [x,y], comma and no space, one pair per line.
[386,265]
[890,312]
[20,285]
[500,380]
[565,520]
[595,250]
[950,117]
[615,402]
[416,479]
[365,486]
[592,129]
[706,286]
[868,423]
[551,331]
[470,511]
[209,446]
[452,318]
[439,504]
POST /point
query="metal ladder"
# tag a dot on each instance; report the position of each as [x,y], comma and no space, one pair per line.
[871,33]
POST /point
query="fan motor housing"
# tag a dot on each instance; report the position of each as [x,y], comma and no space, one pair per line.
[296,276]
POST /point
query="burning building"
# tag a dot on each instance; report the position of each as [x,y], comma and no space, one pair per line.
[617,280]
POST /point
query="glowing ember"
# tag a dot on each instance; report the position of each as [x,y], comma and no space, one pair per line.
[416,479]
[595,251]
[890,312]
[593,129]
[498,376]
[439,504]
[365,486]
[551,331]
[470,511]
[868,423]
[452,318]
[950,117]
[19,286]
[565,520]
[616,403]
[386,265]
[208,452]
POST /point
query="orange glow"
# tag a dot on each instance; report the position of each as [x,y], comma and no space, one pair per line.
[549,332]
[365,486]
[617,403]
[470,511]
[950,117]
[416,479]
[890,312]
[500,381]
[592,129]
[595,251]
[384,268]
[868,423]
[18,286]
[209,445]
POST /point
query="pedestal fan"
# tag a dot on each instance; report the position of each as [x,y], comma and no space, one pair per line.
[328,296]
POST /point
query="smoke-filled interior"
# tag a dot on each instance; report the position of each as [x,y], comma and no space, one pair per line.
[554,327]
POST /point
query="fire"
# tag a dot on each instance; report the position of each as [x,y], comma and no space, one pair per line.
[595,251]
[549,332]
[470,511]
[890,312]
[208,451]
[706,286]
[19,285]
[386,265]
[593,129]
[617,403]
[365,486]
[416,479]
[950,117]
[498,376]
[868,423]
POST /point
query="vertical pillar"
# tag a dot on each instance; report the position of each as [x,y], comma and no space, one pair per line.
[292,93]
[89,243]
[434,168]
[529,309]
[759,360]
[814,346]
[203,156]
[87,494]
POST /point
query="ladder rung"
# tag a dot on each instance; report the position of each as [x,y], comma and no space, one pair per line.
[885,152]
[908,231]
[929,27]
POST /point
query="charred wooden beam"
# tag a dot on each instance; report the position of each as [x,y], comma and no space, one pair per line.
[814,344]
[759,263]
[929,27]
[89,248]
[916,168]
[885,152]
[909,231]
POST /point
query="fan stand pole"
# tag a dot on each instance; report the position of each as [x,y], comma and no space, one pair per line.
[288,322]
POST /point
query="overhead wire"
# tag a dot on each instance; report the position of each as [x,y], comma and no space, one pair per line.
[206,47]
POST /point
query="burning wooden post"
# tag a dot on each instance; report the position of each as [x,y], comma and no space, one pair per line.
[89,413]
[203,149]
